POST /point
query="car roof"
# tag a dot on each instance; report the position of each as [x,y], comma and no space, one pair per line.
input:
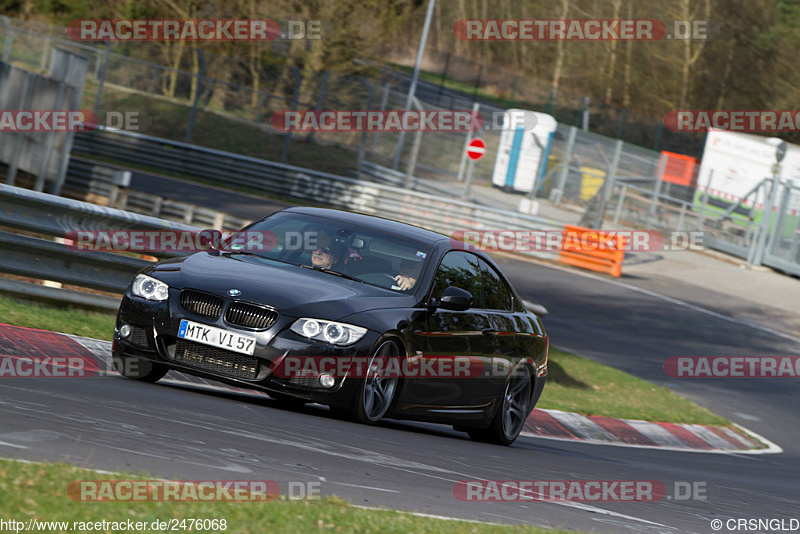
[379,223]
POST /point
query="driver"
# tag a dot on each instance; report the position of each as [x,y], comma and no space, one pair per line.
[324,256]
[409,272]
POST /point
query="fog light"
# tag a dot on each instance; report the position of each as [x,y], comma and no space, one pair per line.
[327,381]
[125,331]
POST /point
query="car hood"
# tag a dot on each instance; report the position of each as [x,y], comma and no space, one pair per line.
[288,288]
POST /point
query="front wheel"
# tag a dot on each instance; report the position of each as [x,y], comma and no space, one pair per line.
[376,392]
[138,368]
[510,417]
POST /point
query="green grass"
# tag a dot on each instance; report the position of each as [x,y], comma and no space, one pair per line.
[574,384]
[580,385]
[57,318]
[228,133]
[39,491]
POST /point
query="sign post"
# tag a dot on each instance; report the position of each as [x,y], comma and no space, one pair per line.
[475,151]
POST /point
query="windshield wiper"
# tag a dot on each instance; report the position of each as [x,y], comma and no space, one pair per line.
[337,273]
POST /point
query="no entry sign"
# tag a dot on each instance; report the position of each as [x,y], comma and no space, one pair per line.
[476,149]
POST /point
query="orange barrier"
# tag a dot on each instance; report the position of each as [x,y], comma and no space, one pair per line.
[589,249]
[679,169]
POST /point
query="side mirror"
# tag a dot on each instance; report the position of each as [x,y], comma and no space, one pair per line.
[538,309]
[455,298]
[211,240]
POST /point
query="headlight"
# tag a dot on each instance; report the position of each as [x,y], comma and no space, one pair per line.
[149,288]
[328,331]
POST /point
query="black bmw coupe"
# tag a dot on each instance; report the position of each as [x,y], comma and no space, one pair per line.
[374,318]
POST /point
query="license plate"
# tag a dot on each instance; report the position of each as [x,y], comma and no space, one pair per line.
[217,337]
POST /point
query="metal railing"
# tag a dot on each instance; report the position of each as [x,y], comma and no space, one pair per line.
[55,217]
[434,211]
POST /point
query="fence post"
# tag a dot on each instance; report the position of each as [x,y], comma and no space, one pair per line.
[651,212]
[608,185]
[558,192]
[45,49]
[9,38]
[463,164]
[320,100]
[412,161]
[11,176]
[384,101]
[705,201]
[295,100]
[362,148]
[621,200]
[101,78]
[766,216]
[198,89]
[48,150]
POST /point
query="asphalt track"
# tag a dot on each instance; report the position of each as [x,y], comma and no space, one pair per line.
[191,432]
[181,431]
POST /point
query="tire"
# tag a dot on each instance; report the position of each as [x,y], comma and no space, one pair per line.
[375,394]
[138,368]
[510,417]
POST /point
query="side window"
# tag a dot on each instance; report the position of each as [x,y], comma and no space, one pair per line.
[461,270]
[498,294]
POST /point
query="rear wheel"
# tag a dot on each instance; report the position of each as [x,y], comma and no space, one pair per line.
[376,392]
[510,417]
[138,368]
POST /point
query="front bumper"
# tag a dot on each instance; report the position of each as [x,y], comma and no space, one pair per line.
[154,336]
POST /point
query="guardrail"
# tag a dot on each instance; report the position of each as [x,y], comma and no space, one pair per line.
[432,211]
[53,216]
[101,183]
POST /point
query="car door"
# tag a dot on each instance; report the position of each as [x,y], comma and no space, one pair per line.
[512,333]
[455,333]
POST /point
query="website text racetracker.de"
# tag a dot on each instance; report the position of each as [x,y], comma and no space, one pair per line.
[582,30]
[577,240]
[129,525]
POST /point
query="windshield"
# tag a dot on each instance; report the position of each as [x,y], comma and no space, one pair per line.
[381,259]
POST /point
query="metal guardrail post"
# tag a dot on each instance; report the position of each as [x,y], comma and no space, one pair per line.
[295,99]
[557,193]
[198,90]
[9,38]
